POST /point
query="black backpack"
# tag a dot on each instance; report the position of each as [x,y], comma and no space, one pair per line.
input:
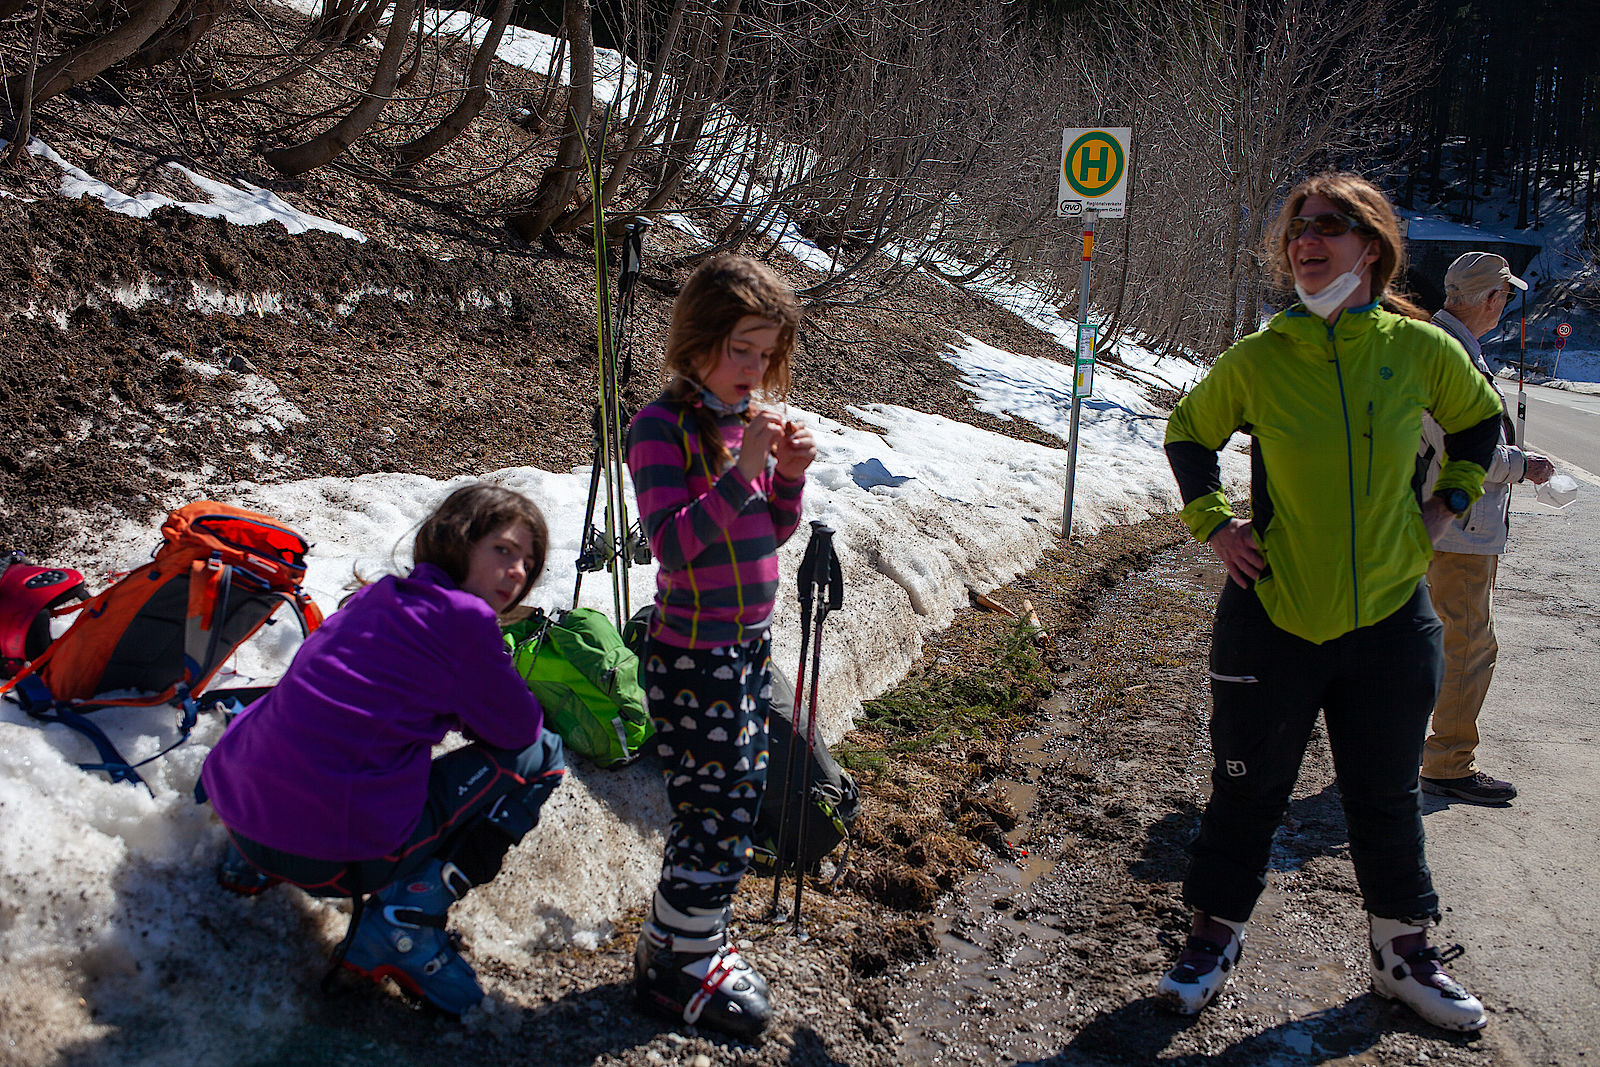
[828,814]
[835,798]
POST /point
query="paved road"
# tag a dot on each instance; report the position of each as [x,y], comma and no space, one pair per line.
[1565,423]
[1523,882]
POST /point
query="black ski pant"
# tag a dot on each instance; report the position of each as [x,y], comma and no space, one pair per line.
[709,707]
[1376,687]
[481,801]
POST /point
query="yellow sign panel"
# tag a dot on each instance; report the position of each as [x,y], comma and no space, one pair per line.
[1094,171]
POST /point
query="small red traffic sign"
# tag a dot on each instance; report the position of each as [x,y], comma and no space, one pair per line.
[1564,330]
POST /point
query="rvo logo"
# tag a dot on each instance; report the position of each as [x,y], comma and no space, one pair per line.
[1235,768]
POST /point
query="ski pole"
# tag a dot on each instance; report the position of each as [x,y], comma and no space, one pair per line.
[805,589]
[825,576]
[590,558]
[632,545]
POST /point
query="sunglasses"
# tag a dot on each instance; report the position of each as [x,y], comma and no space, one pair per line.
[1327,224]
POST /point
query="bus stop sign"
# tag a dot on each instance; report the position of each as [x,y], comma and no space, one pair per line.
[1094,171]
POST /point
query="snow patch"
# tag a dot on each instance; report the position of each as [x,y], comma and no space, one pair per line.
[243,205]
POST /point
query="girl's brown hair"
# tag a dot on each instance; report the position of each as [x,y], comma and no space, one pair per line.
[469,514]
[720,292]
[1364,202]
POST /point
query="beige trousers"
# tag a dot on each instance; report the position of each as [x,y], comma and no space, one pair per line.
[1462,588]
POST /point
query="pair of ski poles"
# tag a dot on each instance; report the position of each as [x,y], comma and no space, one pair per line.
[622,542]
[821,583]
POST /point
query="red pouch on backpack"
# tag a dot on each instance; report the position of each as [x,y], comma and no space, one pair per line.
[29,597]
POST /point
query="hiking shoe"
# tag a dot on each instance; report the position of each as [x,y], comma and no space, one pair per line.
[237,875]
[1406,968]
[719,990]
[1204,966]
[1476,788]
[402,936]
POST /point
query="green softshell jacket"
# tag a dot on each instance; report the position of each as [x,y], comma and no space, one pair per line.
[1334,414]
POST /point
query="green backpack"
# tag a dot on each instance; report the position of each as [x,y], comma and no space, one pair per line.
[587,680]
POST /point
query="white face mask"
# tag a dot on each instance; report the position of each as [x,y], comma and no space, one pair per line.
[1326,303]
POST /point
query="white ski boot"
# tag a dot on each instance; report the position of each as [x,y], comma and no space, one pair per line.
[1205,965]
[1406,968]
[685,968]
[718,989]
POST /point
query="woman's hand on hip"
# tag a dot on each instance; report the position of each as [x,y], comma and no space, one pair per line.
[1234,543]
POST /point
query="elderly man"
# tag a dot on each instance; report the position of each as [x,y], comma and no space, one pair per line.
[1478,288]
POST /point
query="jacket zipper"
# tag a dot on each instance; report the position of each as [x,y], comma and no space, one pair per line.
[1369,448]
[1350,478]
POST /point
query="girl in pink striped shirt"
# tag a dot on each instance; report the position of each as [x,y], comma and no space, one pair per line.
[719,480]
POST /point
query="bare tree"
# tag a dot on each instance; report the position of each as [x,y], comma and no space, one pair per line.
[640,122]
[94,56]
[707,77]
[560,179]
[17,151]
[470,105]
[332,142]
[189,23]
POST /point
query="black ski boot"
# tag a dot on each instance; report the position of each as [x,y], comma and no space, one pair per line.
[719,989]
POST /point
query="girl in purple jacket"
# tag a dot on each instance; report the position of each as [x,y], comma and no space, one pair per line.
[328,781]
[718,479]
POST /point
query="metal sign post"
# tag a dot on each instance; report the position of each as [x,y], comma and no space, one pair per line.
[1083,376]
[1563,332]
[1522,366]
[1093,183]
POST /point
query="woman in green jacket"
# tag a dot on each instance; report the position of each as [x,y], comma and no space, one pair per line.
[1325,607]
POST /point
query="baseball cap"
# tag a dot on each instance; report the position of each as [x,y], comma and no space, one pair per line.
[1476,272]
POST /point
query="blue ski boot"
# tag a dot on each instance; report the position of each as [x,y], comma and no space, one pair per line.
[402,936]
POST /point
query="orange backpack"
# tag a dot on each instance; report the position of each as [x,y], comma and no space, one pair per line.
[160,633]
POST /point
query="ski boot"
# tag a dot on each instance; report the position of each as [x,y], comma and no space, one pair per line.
[237,875]
[1204,966]
[402,936]
[705,986]
[1406,968]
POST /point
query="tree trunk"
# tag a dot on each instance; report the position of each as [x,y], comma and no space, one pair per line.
[95,56]
[560,179]
[17,150]
[349,21]
[688,135]
[332,142]
[192,21]
[471,103]
[645,118]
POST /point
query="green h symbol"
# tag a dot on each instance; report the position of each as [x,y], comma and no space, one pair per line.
[1097,158]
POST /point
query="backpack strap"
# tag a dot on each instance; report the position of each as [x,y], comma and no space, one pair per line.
[112,762]
[210,581]
[37,702]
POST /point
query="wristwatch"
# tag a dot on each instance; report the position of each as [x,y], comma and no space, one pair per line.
[1457,500]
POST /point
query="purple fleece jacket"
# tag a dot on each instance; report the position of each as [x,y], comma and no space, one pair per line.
[333,762]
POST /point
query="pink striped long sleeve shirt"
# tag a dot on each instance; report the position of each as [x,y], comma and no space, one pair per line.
[715,535]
